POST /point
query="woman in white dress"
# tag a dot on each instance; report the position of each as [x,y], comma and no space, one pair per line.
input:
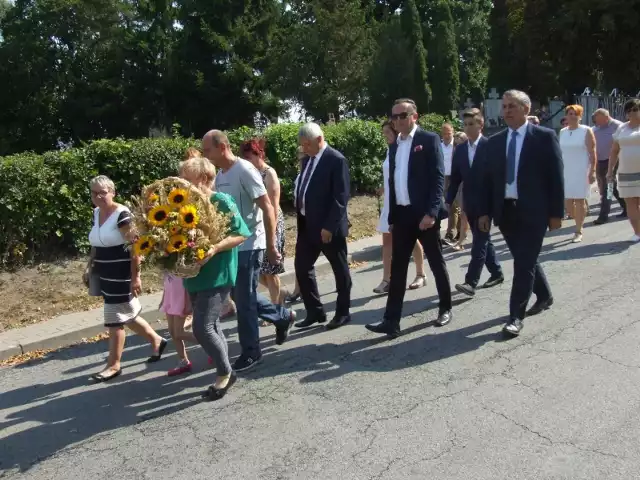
[578,145]
[626,150]
[383,227]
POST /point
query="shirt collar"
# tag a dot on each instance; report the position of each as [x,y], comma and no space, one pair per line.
[447,146]
[320,152]
[410,136]
[522,130]
[474,145]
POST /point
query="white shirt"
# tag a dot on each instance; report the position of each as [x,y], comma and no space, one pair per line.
[511,190]
[401,173]
[300,177]
[472,147]
[447,153]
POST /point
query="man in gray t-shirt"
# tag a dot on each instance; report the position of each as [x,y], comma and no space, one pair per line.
[605,127]
[241,180]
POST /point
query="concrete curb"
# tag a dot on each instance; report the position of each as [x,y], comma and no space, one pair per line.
[72,328]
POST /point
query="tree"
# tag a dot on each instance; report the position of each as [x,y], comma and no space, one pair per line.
[322,56]
[418,88]
[443,60]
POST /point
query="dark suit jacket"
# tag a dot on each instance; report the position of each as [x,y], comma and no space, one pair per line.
[540,177]
[327,195]
[469,175]
[426,177]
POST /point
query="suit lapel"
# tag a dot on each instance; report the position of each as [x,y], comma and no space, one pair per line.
[524,153]
[502,155]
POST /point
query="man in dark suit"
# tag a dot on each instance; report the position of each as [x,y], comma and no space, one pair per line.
[416,207]
[524,194]
[321,196]
[466,170]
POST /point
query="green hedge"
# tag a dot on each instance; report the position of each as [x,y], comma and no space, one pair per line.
[46,205]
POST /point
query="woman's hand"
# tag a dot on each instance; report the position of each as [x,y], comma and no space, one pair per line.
[136,285]
[609,177]
[592,177]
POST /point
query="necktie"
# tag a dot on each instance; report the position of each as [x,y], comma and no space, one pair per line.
[302,186]
[511,159]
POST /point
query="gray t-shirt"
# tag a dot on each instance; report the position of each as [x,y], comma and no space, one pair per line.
[244,183]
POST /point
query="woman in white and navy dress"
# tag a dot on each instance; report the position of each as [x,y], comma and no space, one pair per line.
[114,273]
[383,227]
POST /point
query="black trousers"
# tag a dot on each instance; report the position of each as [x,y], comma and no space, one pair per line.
[605,204]
[524,240]
[404,234]
[307,252]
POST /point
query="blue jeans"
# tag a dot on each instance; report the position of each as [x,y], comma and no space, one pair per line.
[482,253]
[251,305]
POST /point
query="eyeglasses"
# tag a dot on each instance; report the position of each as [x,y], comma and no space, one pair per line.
[100,194]
[401,116]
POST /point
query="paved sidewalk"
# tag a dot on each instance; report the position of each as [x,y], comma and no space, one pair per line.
[70,328]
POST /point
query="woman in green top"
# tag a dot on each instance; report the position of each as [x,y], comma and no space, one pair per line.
[210,290]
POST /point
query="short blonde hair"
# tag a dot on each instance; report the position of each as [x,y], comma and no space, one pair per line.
[191,152]
[577,109]
[102,181]
[199,167]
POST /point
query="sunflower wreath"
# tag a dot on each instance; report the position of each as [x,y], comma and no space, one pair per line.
[175,226]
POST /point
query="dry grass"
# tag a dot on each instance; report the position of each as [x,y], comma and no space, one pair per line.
[36,294]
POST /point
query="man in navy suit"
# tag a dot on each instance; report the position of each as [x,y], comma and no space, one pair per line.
[466,170]
[416,207]
[524,195]
[321,195]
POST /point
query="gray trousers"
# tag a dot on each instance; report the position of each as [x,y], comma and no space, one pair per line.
[207,305]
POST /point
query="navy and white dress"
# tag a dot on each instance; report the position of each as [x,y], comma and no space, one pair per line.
[112,266]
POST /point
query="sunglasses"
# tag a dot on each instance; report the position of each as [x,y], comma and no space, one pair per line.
[401,116]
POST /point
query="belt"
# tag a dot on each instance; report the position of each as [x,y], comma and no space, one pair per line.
[512,202]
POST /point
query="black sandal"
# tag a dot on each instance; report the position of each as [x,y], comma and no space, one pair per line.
[99,377]
[157,356]
[212,394]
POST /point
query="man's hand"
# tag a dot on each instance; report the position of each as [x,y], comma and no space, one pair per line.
[555,223]
[136,285]
[592,177]
[274,255]
[609,177]
[484,224]
[326,236]
[427,222]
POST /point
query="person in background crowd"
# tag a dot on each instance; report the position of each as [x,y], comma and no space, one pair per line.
[322,192]
[211,287]
[626,151]
[253,150]
[240,179]
[192,152]
[447,145]
[604,128]
[383,227]
[463,223]
[416,207]
[534,120]
[467,173]
[563,122]
[523,192]
[113,271]
[578,146]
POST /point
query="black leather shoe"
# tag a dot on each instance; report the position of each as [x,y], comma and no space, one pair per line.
[600,221]
[622,214]
[444,318]
[513,327]
[493,281]
[338,321]
[466,289]
[310,321]
[385,328]
[540,306]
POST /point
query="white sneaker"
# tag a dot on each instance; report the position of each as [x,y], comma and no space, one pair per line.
[577,238]
[635,238]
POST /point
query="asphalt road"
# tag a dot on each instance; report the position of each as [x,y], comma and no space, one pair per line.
[560,402]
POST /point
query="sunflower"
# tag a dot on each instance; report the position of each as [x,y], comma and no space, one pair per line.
[153,198]
[178,197]
[200,253]
[143,245]
[159,215]
[177,243]
[174,229]
[189,216]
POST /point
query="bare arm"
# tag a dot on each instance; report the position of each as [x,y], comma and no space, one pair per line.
[272,185]
[228,243]
[590,141]
[613,157]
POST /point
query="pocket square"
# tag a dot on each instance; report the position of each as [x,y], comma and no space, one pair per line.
[418,148]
